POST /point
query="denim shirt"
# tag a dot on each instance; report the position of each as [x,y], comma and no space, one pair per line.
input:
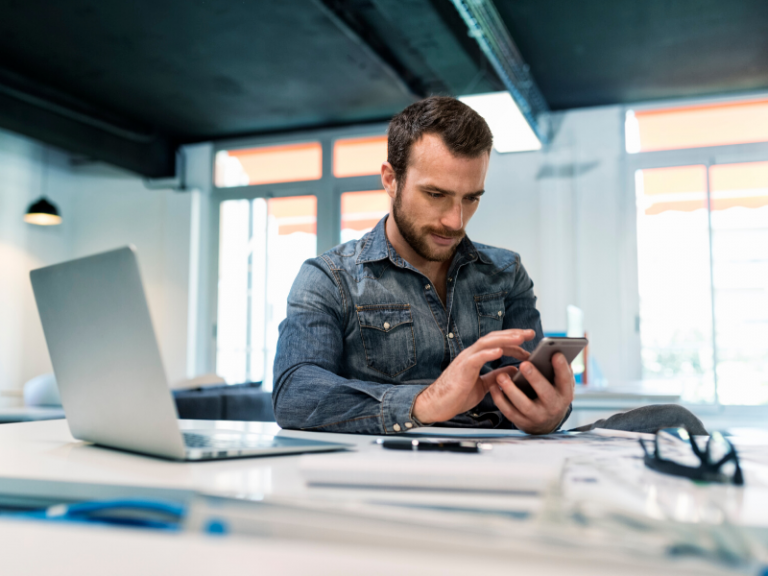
[366,332]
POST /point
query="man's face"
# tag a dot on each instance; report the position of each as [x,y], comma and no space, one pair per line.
[440,194]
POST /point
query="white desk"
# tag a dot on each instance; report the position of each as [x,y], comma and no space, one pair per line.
[46,451]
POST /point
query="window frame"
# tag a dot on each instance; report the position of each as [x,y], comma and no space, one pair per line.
[707,156]
[328,190]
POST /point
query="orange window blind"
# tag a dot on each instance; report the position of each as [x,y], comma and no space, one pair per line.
[359,156]
[294,214]
[682,188]
[269,165]
[700,126]
[744,184]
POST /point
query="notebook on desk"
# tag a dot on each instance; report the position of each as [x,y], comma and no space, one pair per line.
[109,371]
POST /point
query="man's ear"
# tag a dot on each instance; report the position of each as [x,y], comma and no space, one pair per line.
[388,179]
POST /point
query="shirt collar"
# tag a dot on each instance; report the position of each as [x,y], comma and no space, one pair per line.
[377,247]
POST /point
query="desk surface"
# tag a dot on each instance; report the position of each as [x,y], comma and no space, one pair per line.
[46,451]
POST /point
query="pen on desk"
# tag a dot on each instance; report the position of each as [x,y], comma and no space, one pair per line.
[433,445]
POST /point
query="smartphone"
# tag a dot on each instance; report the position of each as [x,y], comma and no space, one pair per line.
[542,359]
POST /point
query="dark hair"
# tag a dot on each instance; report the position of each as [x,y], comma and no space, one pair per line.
[463,131]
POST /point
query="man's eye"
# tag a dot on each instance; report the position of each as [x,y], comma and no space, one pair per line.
[474,198]
[435,196]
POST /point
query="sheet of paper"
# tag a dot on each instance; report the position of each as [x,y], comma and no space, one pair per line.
[464,432]
[503,469]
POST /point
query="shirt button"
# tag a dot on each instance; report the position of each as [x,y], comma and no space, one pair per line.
[427,287]
[450,279]
[409,424]
[386,325]
[474,414]
[450,335]
[499,313]
[396,427]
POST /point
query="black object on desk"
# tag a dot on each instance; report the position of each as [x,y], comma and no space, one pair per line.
[434,445]
[675,451]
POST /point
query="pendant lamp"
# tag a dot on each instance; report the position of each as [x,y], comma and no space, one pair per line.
[42,212]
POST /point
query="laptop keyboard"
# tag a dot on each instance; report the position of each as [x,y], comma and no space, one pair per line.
[226,440]
[193,440]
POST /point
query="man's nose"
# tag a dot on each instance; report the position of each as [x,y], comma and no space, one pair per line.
[454,218]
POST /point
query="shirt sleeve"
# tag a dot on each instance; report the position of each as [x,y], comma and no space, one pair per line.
[308,392]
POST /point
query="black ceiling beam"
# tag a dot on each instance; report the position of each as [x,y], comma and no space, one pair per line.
[40,112]
[416,42]
[349,16]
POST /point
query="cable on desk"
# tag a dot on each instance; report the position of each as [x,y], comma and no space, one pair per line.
[137,513]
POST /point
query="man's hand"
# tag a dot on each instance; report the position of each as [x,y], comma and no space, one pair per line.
[460,387]
[543,414]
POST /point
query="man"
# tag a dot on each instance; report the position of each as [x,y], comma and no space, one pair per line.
[414,324]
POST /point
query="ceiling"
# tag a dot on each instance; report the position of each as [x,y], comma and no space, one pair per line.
[128,82]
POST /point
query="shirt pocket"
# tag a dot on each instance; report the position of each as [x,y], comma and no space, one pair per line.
[490,312]
[388,340]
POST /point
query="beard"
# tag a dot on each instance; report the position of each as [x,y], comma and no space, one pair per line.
[418,239]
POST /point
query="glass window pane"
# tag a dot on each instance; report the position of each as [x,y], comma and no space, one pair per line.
[359,156]
[697,126]
[740,268]
[269,165]
[262,246]
[360,211]
[232,323]
[674,280]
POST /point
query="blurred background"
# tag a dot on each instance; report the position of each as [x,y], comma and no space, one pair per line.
[231,141]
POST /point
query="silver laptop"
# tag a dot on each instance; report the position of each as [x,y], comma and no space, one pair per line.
[109,371]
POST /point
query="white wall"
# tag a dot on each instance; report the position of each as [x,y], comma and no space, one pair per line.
[102,208]
[113,208]
[23,248]
[567,211]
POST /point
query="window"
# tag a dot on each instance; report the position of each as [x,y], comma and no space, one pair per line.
[262,244]
[697,126]
[703,279]
[361,211]
[268,165]
[359,156]
[739,229]
[277,207]
[674,279]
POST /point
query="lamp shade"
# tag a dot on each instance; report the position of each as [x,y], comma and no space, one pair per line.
[42,213]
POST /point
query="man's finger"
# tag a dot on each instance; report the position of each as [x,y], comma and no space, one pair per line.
[545,389]
[478,359]
[505,407]
[526,334]
[508,370]
[489,379]
[516,396]
[497,341]
[516,352]
[564,381]
[512,336]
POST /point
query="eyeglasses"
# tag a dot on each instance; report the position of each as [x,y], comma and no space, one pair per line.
[676,452]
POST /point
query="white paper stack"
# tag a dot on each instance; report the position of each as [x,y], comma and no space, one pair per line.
[503,469]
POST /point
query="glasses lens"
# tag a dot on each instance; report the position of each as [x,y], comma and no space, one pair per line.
[717,447]
[674,446]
